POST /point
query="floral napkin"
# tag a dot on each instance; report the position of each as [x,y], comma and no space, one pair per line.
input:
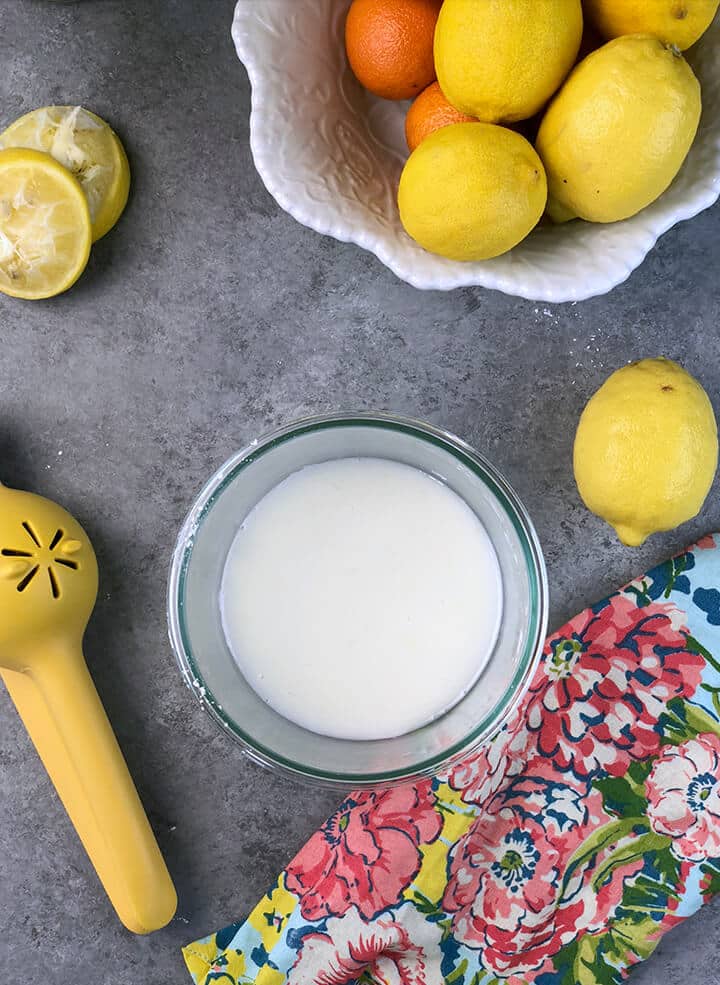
[557,855]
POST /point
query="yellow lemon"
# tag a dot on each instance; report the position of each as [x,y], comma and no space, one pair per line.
[679,22]
[619,130]
[472,191]
[44,225]
[86,146]
[646,449]
[501,60]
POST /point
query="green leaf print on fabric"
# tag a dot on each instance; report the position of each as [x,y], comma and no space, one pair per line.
[710,881]
[622,796]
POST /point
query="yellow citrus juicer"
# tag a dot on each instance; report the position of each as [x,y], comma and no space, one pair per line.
[48,587]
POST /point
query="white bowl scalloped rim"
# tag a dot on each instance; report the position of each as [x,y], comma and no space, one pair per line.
[331,154]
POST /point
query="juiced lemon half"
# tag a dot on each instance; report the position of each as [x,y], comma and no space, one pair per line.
[88,148]
[45,231]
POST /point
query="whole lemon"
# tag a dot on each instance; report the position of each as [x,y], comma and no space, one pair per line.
[619,130]
[501,60]
[646,449]
[679,22]
[472,191]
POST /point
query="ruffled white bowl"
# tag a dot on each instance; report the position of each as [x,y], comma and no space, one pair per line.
[331,155]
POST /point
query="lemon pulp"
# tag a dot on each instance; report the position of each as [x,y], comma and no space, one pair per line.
[44,225]
[88,148]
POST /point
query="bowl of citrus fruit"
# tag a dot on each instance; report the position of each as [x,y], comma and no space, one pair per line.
[539,147]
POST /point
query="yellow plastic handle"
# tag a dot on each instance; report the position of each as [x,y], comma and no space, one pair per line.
[62,712]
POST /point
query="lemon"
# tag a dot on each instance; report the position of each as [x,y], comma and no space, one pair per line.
[501,60]
[44,225]
[471,191]
[679,22]
[86,146]
[646,449]
[619,130]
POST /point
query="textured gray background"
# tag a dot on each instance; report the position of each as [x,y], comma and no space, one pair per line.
[207,317]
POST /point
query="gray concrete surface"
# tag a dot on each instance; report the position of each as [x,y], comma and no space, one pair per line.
[205,318]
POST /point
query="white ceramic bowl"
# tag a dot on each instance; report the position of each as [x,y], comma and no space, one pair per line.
[331,155]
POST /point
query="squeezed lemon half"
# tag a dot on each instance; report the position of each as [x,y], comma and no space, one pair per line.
[45,230]
[88,148]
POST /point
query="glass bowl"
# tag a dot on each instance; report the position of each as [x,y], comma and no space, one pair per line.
[196,631]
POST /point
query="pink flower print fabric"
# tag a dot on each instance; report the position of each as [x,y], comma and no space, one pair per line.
[556,855]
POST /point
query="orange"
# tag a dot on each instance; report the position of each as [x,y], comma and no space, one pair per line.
[430,111]
[389,44]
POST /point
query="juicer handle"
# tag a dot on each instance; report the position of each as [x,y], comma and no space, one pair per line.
[61,709]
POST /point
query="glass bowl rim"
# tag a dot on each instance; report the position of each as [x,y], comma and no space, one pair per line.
[503,493]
